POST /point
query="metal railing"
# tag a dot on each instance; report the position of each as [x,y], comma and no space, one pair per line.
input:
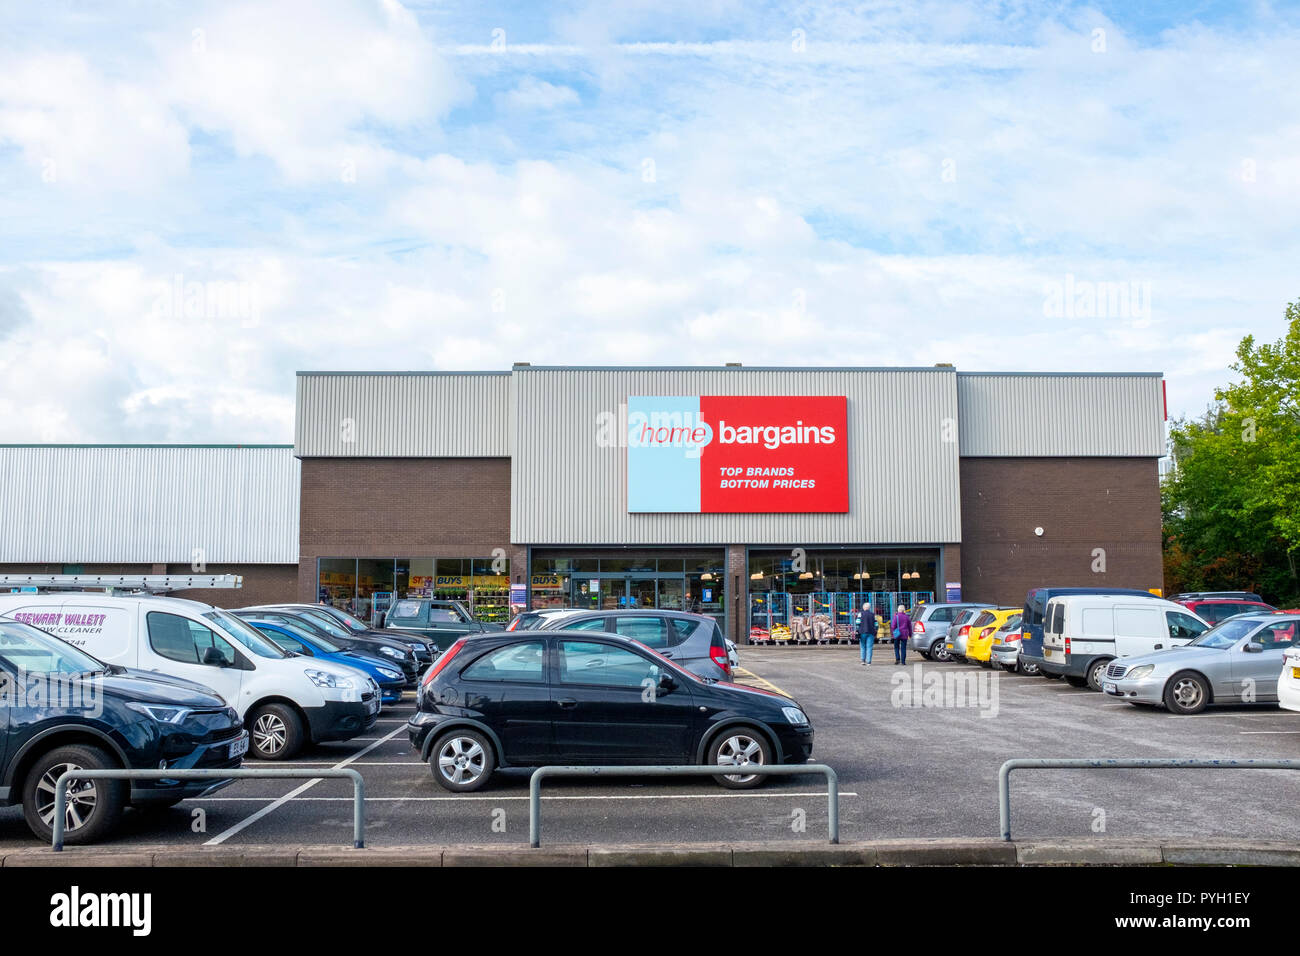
[267,773]
[780,770]
[1120,763]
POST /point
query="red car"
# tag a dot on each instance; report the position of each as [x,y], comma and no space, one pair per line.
[1215,610]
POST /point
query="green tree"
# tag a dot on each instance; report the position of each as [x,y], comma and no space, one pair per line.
[1232,502]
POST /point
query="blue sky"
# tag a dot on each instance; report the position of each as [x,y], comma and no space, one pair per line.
[201,198]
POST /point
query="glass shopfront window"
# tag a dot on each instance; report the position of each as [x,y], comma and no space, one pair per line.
[368,586]
[816,596]
[672,580]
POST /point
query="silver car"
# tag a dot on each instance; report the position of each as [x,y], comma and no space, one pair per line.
[1006,645]
[954,644]
[930,623]
[692,640]
[1237,662]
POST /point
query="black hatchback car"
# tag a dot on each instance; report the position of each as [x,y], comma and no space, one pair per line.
[531,698]
[61,709]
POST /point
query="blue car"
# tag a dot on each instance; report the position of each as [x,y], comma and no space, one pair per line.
[297,641]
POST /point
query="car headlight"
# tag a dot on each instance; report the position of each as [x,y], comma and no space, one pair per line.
[391,652]
[794,715]
[326,679]
[389,673]
[1138,673]
[160,712]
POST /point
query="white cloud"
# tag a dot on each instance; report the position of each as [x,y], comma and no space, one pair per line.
[535,94]
[899,193]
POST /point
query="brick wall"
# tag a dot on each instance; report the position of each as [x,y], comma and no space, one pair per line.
[403,508]
[1081,504]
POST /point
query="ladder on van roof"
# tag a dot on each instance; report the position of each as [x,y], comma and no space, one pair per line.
[151,583]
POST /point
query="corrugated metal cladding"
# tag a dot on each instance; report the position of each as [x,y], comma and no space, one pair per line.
[93,505]
[403,415]
[1101,415]
[903,475]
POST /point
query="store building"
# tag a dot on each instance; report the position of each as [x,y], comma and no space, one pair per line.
[154,509]
[765,496]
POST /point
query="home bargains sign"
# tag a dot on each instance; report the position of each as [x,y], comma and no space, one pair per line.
[737,454]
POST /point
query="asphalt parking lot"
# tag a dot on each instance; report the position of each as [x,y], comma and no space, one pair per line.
[924,770]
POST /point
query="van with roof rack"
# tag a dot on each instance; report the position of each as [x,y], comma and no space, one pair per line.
[285,701]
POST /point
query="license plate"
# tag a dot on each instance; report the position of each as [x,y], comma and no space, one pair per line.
[1295,673]
[374,704]
[239,747]
[1108,687]
[997,640]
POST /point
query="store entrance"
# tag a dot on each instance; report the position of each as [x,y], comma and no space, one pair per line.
[613,592]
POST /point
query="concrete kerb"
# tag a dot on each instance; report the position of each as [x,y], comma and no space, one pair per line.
[903,852]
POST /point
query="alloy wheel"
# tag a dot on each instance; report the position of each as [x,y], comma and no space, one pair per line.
[461,760]
[82,798]
[740,750]
[269,734]
[1187,693]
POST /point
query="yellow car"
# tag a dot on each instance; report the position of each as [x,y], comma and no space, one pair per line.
[979,646]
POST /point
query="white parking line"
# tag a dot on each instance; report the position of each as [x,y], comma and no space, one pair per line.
[253,818]
[493,797]
[1253,732]
[1262,716]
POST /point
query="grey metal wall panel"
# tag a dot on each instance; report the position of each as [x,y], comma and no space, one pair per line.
[403,415]
[903,474]
[1015,415]
[98,505]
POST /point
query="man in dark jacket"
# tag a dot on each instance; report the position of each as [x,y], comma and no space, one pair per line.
[867,633]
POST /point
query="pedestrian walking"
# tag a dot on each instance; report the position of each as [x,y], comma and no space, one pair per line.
[867,633]
[901,629]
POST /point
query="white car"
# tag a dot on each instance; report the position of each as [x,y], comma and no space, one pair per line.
[1288,682]
[285,701]
[733,657]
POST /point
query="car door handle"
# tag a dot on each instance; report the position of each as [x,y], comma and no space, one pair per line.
[567,702]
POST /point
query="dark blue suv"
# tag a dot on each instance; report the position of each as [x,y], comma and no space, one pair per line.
[530,698]
[61,709]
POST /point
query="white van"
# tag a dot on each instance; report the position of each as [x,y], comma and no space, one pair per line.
[285,701]
[1083,633]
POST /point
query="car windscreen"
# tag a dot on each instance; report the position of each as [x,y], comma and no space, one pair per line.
[326,623]
[351,620]
[1226,634]
[245,634]
[25,649]
[301,633]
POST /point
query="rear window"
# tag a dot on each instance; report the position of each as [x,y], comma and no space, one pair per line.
[680,630]
[985,618]
[942,613]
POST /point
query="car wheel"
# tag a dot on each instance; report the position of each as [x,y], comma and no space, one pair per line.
[1187,693]
[1076,681]
[1096,673]
[1031,670]
[94,807]
[462,761]
[275,732]
[940,652]
[740,747]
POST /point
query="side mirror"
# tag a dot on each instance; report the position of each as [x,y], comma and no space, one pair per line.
[1250,647]
[214,658]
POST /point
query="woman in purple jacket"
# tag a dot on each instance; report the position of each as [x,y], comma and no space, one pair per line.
[900,627]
